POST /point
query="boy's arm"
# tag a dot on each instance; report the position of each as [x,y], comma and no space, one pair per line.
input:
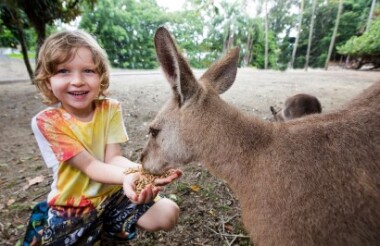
[112,174]
[114,156]
[97,170]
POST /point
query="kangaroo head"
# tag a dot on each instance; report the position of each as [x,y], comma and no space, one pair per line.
[179,124]
[276,114]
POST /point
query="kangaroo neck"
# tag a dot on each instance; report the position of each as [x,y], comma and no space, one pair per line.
[229,140]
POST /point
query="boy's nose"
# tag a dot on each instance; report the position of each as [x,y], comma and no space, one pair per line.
[77,79]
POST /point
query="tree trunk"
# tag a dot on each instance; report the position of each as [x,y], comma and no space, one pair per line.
[227,39]
[248,56]
[41,35]
[298,35]
[347,62]
[266,36]
[25,56]
[40,28]
[334,34]
[15,25]
[38,23]
[370,15]
[310,34]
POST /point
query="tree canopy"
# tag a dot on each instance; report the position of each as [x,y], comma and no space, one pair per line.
[206,29]
[19,15]
[125,29]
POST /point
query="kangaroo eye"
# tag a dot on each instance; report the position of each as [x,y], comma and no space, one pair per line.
[154,132]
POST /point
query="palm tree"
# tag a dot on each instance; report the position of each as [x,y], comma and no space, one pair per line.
[310,34]
[266,35]
[298,35]
[370,15]
[334,34]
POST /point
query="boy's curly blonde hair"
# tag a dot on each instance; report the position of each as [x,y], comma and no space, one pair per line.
[60,48]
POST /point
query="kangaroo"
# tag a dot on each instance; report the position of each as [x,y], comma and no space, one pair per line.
[297,106]
[312,181]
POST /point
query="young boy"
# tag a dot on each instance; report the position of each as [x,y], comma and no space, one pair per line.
[79,137]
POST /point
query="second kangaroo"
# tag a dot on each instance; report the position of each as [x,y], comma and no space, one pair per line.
[297,106]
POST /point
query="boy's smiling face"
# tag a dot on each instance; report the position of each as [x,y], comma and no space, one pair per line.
[76,84]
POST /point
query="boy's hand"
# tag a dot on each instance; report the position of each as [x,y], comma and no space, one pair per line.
[146,195]
[150,191]
[174,174]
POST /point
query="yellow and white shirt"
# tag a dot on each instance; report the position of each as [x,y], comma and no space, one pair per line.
[60,136]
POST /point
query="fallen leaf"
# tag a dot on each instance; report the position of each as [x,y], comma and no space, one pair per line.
[20,226]
[10,202]
[173,197]
[229,227]
[195,188]
[34,181]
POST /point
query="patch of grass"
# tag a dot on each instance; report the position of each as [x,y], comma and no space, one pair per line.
[31,55]
[181,187]
[224,207]
[208,191]
[12,183]
[20,207]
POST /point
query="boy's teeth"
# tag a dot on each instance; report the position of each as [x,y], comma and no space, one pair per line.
[78,93]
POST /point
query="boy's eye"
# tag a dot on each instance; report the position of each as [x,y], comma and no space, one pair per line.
[62,71]
[89,71]
[154,132]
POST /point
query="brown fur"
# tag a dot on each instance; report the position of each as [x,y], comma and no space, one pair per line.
[297,106]
[313,181]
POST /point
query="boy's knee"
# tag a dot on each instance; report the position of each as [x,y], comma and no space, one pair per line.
[172,215]
[162,216]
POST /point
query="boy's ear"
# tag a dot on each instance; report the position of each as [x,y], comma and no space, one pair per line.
[48,85]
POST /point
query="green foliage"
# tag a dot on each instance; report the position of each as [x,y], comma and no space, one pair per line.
[187,27]
[20,16]
[210,29]
[204,29]
[323,28]
[259,46]
[280,18]
[6,37]
[366,45]
[23,14]
[352,22]
[125,30]
[13,20]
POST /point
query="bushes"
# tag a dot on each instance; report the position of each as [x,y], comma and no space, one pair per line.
[364,49]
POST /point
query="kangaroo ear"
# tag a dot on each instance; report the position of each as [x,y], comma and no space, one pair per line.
[175,67]
[272,110]
[221,75]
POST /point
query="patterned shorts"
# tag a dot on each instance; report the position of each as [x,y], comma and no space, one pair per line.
[114,216]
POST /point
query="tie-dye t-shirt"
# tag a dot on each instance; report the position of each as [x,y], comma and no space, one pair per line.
[60,136]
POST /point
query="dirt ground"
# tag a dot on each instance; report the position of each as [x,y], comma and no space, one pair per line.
[210,214]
